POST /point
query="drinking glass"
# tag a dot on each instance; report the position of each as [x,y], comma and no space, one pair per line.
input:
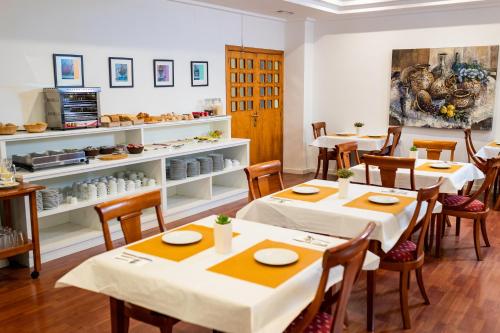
[19,238]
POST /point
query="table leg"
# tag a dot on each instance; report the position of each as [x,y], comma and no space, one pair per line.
[35,238]
[119,322]
[439,229]
[370,297]
[325,168]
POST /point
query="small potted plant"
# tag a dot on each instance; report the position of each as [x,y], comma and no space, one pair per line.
[223,234]
[413,152]
[344,181]
[358,126]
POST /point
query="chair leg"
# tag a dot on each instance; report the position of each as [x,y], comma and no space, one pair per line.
[448,223]
[457,227]
[431,231]
[403,298]
[325,168]
[420,281]
[477,244]
[484,232]
[317,168]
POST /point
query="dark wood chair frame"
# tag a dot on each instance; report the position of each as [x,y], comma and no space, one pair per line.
[261,170]
[389,148]
[351,256]
[430,196]
[128,211]
[344,151]
[324,155]
[388,167]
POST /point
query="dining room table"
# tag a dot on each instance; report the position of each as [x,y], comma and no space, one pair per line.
[366,142]
[225,292]
[490,150]
[427,173]
[328,214]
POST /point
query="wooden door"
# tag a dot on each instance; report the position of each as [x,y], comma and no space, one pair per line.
[254,96]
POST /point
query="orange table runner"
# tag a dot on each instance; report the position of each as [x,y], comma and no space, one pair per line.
[362,202]
[374,136]
[427,167]
[156,247]
[494,144]
[243,266]
[343,134]
[324,192]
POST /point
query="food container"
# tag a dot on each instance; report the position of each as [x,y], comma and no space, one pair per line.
[35,127]
[135,149]
[91,151]
[8,129]
[105,150]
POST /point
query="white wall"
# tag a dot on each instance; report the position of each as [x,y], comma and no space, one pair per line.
[32,30]
[352,64]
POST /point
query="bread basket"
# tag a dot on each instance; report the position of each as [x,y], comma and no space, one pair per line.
[7,129]
[35,127]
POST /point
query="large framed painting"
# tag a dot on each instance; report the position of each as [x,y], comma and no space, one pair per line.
[444,87]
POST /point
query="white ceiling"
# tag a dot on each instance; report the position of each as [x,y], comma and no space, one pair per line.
[331,9]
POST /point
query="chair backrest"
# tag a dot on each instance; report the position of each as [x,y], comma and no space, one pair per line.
[388,166]
[351,256]
[471,151]
[435,147]
[128,211]
[344,151]
[395,133]
[319,129]
[491,171]
[264,178]
[430,196]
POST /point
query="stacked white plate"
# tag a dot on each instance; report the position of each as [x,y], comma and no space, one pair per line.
[178,169]
[218,161]
[193,168]
[50,198]
[440,165]
[206,164]
[39,201]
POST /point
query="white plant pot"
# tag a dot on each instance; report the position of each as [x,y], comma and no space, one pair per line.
[413,154]
[358,131]
[344,187]
[223,237]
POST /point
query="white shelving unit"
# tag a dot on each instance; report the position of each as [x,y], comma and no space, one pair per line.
[74,227]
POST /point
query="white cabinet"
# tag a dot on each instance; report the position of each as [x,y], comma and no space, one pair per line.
[75,227]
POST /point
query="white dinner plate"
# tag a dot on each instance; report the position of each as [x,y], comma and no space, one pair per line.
[345,134]
[182,237]
[440,166]
[497,142]
[5,185]
[383,199]
[276,256]
[305,190]
[375,135]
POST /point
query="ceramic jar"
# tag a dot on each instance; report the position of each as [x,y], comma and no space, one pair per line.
[413,154]
[474,86]
[344,187]
[462,99]
[421,78]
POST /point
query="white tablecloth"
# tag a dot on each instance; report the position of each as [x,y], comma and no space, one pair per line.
[488,151]
[187,291]
[365,144]
[452,181]
[329,216]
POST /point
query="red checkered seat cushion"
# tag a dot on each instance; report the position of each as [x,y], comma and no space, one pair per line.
[322,323]
[406,251]
[457,200]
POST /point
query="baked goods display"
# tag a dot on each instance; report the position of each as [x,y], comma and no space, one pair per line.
[7,129]
[38,127]
[116,120]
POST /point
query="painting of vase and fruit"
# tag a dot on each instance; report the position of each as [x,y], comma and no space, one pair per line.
[444,87]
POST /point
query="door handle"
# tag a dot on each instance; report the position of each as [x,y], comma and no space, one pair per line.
[255,116]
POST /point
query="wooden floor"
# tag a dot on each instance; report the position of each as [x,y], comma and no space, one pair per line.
[464,293]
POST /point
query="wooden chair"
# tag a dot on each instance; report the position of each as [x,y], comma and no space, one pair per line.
[351,256]
[470,207]
[406,255]
[388,167]
[128,211]
[344,151]
[264,178]
[324,155]
[389,147]
[435,148]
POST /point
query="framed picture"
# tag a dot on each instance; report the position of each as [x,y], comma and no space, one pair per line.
[163,72]
[68,70]
[121,72]
[199,73]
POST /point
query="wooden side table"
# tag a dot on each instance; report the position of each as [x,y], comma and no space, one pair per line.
[6,196]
